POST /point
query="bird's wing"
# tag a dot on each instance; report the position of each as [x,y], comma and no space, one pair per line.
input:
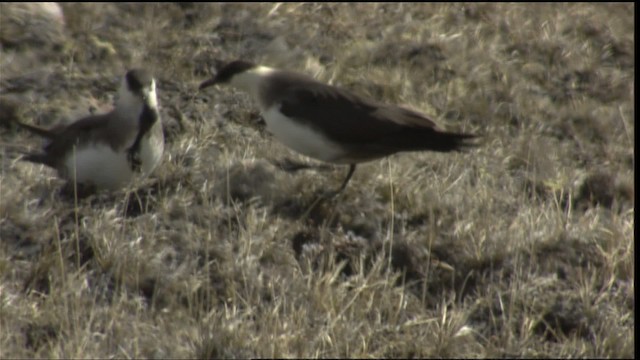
[45,133]
[80,132]
[350,115]
[148,118]
[405,117]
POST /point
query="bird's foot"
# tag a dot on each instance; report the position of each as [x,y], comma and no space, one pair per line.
[321,197]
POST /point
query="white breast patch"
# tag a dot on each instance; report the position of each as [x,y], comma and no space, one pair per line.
[99,165]
[151,152]
[300,137]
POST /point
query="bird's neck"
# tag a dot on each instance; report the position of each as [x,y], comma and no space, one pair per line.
[250,81]
[128,106]
[127,110]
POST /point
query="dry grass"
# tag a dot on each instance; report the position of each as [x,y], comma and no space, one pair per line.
[521,248]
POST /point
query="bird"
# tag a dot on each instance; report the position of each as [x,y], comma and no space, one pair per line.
[332,124]
[105,151]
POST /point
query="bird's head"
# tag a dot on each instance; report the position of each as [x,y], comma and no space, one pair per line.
[137,90]
[229,73]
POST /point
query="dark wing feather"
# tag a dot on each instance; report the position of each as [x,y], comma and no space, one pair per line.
[63,138]
[352,119]
[148,118]
[45,133]
[79,132]
[360,122]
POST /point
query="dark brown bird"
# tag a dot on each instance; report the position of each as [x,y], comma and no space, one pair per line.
[331,124]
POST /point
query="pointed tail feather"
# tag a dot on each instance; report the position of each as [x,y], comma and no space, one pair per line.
[38,159]
[446,141]
[36,130]
[22,153]
[463,142]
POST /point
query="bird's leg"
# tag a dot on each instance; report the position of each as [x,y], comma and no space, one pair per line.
[352,168]
[133,157]
[330,194]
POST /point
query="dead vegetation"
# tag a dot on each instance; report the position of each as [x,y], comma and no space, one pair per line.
[520,248]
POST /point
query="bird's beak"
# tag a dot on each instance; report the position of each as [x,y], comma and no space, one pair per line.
[207,83]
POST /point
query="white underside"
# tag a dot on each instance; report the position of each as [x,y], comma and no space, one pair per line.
[151,152]
[301,138]
[296,136]
[99,165]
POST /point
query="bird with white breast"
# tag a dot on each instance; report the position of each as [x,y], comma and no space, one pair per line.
[106,151]
[332,124]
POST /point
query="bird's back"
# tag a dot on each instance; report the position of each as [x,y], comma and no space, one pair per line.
[356,121]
